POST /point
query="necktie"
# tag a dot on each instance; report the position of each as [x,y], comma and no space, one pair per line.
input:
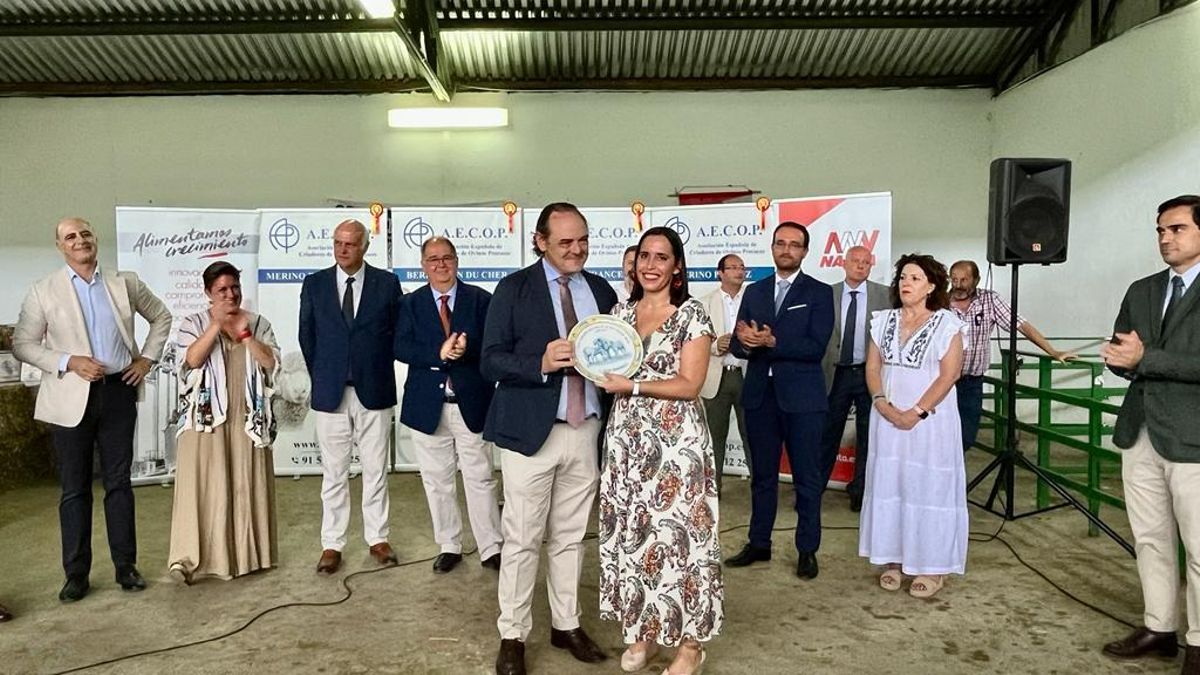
[348,301]
[575,398]
[444,315]
[847,356]
[784,284]
[1176,294]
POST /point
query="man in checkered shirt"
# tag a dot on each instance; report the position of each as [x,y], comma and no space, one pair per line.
[983,310]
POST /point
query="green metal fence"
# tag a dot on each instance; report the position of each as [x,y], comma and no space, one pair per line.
[1082,473]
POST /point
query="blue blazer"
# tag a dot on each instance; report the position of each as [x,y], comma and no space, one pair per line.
[419,339]
[328,342]
[802,330]
[520,323]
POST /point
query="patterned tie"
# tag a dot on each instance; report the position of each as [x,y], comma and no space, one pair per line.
[784,284]
[1176,294]
[348,301]
[847,356]
[575,398]
[444,315]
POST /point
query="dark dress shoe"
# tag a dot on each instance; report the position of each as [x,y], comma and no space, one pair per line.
[1191,661]
[5,615]
[855,503]
[446,562]
[511,659]
[1141,642]
[383,554]
[130,579]
[330,561]
[748,555]
[75,589]
[492,562]
[806,567]
[578,643]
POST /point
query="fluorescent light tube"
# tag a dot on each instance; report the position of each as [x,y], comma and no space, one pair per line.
[447,118]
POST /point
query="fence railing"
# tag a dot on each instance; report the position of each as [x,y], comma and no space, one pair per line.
[1056,401]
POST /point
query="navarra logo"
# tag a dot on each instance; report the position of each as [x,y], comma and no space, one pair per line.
[837,243]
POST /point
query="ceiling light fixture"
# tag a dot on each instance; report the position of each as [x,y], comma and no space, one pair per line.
[447,118]
[379,9]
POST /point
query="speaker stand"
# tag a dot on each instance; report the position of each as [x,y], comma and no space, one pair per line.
[1010,457]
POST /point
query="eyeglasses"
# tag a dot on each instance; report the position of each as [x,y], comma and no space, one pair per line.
[443,260]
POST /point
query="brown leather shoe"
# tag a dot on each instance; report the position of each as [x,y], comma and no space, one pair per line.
[1191,662]
[1142,642]
[5,615]
[383,554]
[511,659]
[578,643]
[330,561]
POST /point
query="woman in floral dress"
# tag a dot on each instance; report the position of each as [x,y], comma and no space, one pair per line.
[660,562]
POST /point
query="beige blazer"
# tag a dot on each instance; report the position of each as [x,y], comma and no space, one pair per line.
[715,307]
[51,324]
[878,297]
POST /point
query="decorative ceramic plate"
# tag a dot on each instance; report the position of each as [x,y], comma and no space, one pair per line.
[605,344]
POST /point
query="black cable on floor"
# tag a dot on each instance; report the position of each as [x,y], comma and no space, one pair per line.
[344,581]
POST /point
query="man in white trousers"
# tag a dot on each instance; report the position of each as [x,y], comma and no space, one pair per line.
[446,401]
[348,318]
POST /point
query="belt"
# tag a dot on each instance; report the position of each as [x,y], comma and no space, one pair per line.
[856,366]
[450,399]
[589,417]
[727,368]
[114,378]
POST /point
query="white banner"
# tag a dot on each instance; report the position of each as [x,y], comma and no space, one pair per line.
[610,232]
[169,249]
[296,243]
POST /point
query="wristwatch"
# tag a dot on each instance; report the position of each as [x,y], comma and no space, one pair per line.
[921,412]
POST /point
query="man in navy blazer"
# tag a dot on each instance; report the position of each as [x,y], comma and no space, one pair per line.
[547,419]
[348,318]
[782,331]
[445,401]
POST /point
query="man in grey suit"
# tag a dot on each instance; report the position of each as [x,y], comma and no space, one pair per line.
[1156,345]
[845,364]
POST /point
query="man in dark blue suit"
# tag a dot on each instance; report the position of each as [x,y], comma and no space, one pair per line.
[445,402]
[348,318]
[547,419]
[782,331]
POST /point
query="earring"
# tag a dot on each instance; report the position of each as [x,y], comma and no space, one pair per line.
[677,281]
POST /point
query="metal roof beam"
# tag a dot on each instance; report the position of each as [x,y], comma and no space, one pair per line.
[72,26]
[1035,39]
[206,87]
[419,31]
[979,80]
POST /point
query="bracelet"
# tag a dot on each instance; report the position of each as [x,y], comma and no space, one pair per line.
[637,386]
[877,397]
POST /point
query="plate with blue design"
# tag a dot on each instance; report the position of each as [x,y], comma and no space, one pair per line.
[605,344]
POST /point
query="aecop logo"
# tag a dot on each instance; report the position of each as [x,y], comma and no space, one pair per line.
[680,227]
[416,231]
[283,235]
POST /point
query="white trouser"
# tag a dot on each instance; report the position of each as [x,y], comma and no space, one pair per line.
[451,447]
[547,495]
[353,432]
[1161,495]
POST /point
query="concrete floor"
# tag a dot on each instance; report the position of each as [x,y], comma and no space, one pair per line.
[1000,618]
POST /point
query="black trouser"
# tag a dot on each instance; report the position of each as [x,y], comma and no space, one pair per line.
[849,387]
[107,424]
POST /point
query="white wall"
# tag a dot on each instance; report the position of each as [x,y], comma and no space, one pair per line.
[1128,115]
[85,156]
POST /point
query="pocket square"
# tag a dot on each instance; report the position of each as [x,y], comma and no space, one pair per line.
[800,306]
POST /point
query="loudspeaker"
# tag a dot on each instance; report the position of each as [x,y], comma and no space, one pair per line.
[1028,208]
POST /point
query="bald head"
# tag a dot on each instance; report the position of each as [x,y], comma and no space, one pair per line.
[75,240]
[71,220]
[857,263]
[350,242]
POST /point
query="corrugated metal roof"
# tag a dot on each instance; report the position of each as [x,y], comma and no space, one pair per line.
[190,46]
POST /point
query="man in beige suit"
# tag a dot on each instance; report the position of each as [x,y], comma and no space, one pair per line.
[722,390]
[854,300]
[76,325]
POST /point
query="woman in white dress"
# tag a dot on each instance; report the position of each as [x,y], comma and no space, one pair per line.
[914,517]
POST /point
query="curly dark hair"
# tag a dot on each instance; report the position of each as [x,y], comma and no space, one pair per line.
[678,293]
[934,271]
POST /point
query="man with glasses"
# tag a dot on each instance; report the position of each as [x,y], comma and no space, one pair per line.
[722,390]
[782,330]
[446,399]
